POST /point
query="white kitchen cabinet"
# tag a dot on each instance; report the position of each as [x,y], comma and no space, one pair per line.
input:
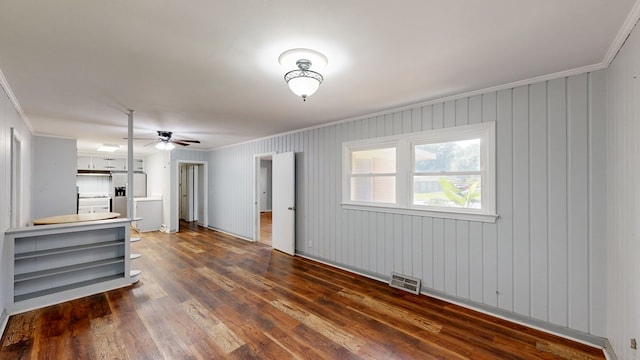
[120,164]
[84,163]
[138,165]
[101,163]
[107,163]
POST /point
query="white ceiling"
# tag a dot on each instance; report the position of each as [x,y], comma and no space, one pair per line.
[208,69]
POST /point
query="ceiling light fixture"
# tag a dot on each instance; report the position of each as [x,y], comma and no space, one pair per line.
[303,81]
[165,145]
[108,148]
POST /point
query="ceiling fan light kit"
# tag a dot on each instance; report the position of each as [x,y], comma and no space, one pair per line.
[303,81]
[164,141]
[165,145]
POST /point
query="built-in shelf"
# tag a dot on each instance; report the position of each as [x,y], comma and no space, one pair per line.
[70,249]
[56,263]
[59,289]
[66,269]
[135,239]
[134,275]
[134,256]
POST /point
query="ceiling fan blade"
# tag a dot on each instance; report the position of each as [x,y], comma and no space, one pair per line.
[189,141]
[135,138]
[151,143]
[179,142]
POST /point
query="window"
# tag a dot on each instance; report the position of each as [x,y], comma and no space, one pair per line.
[446,172]
[373,175]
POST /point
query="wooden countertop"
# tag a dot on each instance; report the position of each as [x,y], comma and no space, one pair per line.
[71,218]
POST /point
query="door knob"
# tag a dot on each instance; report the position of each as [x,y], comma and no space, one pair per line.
[291,208]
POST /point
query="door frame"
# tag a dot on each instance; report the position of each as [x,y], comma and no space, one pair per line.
[202,197]
[15,209]
[256,191]
[187,187]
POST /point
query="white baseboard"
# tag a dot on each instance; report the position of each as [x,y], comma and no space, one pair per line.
[574,335]
[230,234]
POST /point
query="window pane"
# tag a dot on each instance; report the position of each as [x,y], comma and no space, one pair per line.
[449,156]
[375,161]
[374,189]
[447,191]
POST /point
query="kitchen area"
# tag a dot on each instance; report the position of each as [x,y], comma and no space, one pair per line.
[102,186]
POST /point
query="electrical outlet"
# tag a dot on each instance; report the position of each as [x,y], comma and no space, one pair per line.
[310,243]
[633,344]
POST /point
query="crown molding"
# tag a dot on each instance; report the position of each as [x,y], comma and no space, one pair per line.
[624,32]
[14,101]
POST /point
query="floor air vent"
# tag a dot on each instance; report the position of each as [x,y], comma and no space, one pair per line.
[404,282]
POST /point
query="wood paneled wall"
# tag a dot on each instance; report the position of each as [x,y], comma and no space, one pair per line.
[540,259]
[623,199]
[9,118]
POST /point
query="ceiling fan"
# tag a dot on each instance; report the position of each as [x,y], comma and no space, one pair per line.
[165,141]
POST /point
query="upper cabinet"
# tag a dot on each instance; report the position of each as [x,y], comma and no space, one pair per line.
[107,163]
[138,165]
[84,163]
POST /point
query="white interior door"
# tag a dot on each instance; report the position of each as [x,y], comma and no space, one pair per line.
[183,193]
[193,192]
[200,195]
[263,189]
[284,214]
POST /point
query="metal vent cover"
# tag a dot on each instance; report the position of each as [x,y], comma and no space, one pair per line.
[404,282]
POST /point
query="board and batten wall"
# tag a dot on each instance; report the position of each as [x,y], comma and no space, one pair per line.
[623,199]
[10,118]
[543,260]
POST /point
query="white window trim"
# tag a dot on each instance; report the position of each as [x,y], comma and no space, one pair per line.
[404,172]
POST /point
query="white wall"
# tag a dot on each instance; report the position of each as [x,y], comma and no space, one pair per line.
[157,166]
[540,262]
[623,199]
[9,118]
[54,176]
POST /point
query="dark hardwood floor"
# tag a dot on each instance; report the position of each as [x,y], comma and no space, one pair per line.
[266,221]
[207,295]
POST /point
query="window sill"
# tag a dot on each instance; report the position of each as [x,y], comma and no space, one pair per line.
[488,218]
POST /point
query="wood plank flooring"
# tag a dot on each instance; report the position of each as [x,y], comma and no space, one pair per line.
[207,295]
[266,221]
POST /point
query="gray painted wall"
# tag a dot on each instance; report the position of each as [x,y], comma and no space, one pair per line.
[623,199]
[54,176]
[541,259]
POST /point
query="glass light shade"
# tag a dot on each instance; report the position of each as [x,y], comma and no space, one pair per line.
[304,86]
[165,146]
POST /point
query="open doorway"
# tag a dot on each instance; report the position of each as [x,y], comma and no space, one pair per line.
[192,193]
[264,198]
